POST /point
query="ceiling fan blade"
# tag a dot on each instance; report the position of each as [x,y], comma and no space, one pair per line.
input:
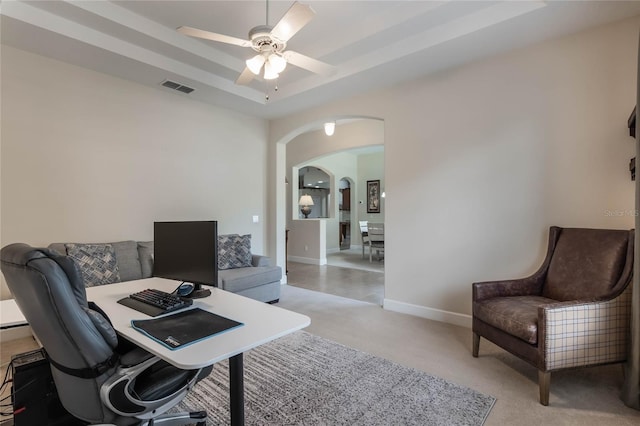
[194,32]
[296,17]
[245,77]
[308,63]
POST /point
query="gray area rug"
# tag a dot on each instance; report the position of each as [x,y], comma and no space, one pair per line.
[302,379]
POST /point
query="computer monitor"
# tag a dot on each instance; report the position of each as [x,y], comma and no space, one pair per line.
[188,252]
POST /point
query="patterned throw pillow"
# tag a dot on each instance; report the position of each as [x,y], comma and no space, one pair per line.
[97,263]
[234,251]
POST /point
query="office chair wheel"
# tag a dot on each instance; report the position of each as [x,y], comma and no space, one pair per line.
[201,424]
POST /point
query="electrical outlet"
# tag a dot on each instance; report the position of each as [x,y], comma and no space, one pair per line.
[256,219]
[306,248]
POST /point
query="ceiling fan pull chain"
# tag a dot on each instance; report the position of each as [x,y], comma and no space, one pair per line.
[267,13]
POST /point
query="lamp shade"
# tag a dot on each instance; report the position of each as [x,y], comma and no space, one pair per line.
[306,200]
[269,72]
[329,128]
[278,63]
[255,64]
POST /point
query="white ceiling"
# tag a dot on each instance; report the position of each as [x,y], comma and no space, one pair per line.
[372,44]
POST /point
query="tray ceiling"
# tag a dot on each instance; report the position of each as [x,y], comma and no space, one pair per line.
[372,44]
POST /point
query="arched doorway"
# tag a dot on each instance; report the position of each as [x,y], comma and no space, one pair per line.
[311,147]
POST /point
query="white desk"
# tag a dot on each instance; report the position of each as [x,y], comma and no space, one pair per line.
[262,323]
[10,315]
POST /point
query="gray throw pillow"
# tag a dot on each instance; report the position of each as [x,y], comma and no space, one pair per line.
[97,263]
[234,251]
[145,253]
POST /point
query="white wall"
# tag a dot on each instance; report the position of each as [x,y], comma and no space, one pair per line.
[87,157]
[481,160]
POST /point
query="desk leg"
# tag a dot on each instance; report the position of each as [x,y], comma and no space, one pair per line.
[236,389]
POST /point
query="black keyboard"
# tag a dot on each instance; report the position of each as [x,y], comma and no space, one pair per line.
[167,302]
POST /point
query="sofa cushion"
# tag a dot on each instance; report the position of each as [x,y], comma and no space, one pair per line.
[239,279]
[516,315]
[234,251]
[581,268]
[145,254]
[97,263]
[128,260]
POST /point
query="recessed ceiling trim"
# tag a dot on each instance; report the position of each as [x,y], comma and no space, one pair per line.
[462,26]
[124,17]
[65,27]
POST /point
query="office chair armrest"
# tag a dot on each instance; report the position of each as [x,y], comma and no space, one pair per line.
[121,395]
[134,357]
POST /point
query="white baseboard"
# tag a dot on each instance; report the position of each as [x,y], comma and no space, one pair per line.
[454,318]
[308,260]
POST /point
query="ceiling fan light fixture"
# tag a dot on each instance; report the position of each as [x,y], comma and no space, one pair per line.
[270,43]
[329,128]
[278,63]
[269,72]
[255,64]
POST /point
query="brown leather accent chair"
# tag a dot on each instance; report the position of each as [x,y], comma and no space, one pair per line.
[573,312]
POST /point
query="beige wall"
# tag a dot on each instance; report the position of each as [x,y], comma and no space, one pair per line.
[305,242]
[481,160]
[88,157]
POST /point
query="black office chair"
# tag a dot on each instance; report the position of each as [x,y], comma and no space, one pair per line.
[98,378]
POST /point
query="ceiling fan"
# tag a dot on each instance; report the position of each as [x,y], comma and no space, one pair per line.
[270,43]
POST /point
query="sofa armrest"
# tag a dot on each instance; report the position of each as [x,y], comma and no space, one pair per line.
[530,286]
[579,333]
[258,260]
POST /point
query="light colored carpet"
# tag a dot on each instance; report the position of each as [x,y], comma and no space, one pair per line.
[302,379]
[584,397]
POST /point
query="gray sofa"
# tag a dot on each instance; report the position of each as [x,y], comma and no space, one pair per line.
[134,260]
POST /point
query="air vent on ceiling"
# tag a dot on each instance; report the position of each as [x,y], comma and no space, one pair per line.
[177,86]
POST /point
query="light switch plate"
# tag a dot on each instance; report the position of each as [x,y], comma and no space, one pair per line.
[256,219]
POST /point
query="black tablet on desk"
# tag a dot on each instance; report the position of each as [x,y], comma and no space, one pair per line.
[185,327]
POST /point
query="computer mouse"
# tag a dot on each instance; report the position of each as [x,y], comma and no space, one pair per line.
[185,289]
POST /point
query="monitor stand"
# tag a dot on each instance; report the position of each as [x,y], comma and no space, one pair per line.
[199,292]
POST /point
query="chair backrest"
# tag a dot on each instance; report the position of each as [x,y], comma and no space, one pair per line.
[363,226]
[50,292]
[376,231]
[589,264]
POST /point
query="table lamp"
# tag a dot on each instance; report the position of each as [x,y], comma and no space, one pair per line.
[305,205]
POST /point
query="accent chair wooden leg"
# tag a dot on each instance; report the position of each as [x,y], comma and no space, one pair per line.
[544,381]
[476,344]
